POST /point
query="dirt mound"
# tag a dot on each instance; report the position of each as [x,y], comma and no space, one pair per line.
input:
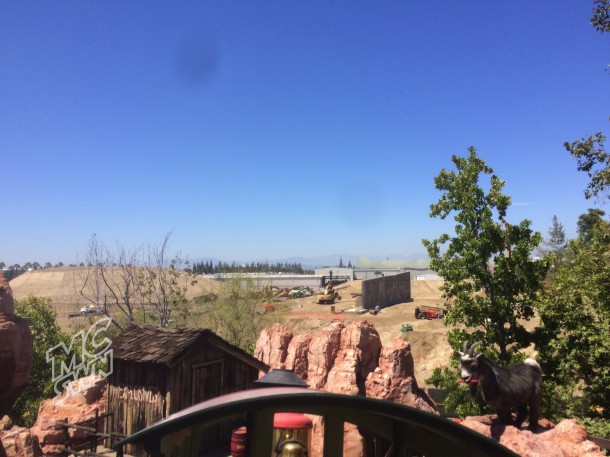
[63,286]
[426,289]
[428,342]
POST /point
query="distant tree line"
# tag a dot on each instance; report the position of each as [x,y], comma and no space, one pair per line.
[12,271]
[210,267]
[342,265]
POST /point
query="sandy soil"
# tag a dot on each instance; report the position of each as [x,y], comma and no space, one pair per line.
[63,286]
[428,344]
[301,315]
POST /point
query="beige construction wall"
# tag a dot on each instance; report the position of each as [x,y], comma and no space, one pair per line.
[386,291]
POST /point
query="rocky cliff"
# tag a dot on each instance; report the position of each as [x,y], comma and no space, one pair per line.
[347,360]
[78,403]
[566,439]
[16,346]
[351,360]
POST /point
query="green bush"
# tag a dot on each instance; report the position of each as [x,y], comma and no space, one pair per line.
[46,334]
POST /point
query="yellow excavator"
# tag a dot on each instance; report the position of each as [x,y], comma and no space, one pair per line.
[329,295]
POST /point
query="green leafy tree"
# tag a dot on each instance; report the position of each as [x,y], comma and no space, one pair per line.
[238,314]
[573,343]
[490,278]
[459,401]
[46,334]
[594,160]
[554,247]
[589,151]
[601,16]
[587,221]
[557,240]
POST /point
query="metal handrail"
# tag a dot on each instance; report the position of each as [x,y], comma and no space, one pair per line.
[411,431]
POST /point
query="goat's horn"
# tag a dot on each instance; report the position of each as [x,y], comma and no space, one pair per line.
[474,345]
[465,347]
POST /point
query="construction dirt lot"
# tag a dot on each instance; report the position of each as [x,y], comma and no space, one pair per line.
[428,343]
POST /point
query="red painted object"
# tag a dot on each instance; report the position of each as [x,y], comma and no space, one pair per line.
[238,442]
[281,421]
[291,420]
[429,313]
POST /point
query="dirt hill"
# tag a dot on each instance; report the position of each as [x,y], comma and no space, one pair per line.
[428,343]
[62,286]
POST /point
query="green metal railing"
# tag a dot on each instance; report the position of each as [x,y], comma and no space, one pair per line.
[410,431]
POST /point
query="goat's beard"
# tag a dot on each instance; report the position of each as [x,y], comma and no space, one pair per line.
[473,388]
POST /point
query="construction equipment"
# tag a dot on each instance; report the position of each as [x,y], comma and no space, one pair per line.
[429,313]
[406,328]
[328,295]
[300,292]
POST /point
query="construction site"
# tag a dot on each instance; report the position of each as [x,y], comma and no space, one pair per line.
[388,302]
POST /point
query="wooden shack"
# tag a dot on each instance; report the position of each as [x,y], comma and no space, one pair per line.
[159,371]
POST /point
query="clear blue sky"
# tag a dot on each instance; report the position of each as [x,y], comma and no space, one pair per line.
[265,130]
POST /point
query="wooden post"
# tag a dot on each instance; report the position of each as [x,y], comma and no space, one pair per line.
[93,437]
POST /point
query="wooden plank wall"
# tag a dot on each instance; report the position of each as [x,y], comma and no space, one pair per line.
[135,408]
[207,372]
[186,384]
[140,394]
[136,397]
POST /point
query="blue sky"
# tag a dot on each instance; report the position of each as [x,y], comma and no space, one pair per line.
[264,130]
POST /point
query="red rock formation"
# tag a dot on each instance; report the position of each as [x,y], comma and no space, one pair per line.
[323,349]
[345,360]
[394,378]
[78,404]
[272,345]
[566,439]
[357,356]
[16,350]
[17,441]
[351,360]
[296,357]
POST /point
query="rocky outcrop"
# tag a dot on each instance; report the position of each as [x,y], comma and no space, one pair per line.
[272,345]
[323,349]
[394,380]
[566,439]
[16,350]
[351,360]
[296,357]
[77,404]
[17,441]
[346,360]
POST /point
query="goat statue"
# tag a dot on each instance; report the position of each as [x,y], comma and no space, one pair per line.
[504,388]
